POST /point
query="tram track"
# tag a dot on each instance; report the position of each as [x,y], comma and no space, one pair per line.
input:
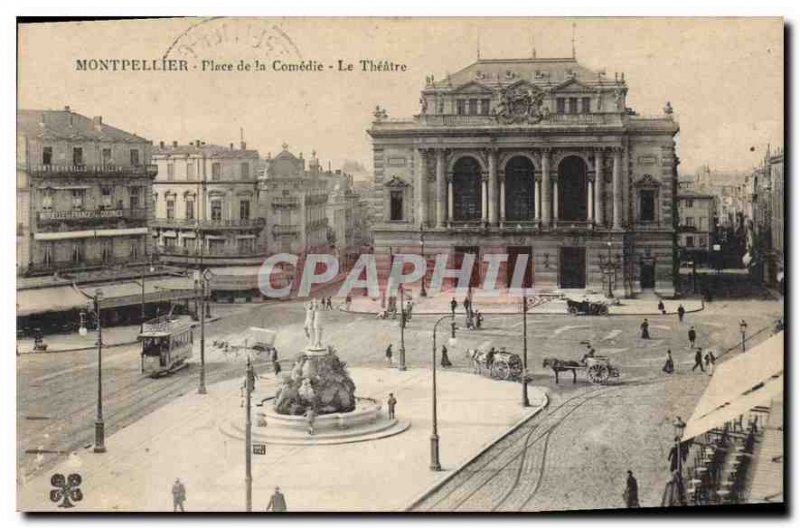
[463,495]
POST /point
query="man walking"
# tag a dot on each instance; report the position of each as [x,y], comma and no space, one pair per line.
[645,326]
[453,305]
[178,495]
[391,403]
[277,502]
[681,313]
[661,307]
[389,355]
[692,336]
[631,493]
[698,360]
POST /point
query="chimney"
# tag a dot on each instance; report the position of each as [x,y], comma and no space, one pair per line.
[97,120]
[66,109]
[161,144]
[197,142]
[244,145]
[231,146]
[174,143]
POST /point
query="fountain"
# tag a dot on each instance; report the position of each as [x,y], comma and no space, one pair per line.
[315,402]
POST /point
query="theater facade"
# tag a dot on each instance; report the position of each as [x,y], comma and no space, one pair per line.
[536,157]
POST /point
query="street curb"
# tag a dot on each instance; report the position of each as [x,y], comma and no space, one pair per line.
[444,480]
[639,314]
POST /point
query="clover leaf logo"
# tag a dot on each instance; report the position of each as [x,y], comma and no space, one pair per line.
[66,489]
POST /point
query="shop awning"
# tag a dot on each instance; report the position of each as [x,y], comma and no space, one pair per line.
[156,290]
[50,299]
[90,233]
[739,384]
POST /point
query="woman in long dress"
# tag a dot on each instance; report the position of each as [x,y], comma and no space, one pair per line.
[445,358]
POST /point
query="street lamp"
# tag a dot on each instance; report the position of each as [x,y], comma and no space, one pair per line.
[145,268]
[525,401]
[249,386]
[435,464]
[403,321]
[743,329]
[679,426]
[422,291]
[202,278]
[99,425]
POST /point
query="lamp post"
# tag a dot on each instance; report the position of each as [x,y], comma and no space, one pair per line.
[403,321]
[679,426]
[525,401]
[249,386]
[435,464]
[145,268]
[743,329]
[422,291]
[99,425]
[203,279]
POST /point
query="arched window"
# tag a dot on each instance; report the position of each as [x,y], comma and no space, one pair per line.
[466,189]
[572,188]
[519,189]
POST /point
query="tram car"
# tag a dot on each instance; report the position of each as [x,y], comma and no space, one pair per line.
[167,346]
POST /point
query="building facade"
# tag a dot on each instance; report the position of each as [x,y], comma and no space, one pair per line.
[84,194]
[206,214]
[294,201]
[696,213]
[536,157]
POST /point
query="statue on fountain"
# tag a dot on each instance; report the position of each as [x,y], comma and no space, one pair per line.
[318,380]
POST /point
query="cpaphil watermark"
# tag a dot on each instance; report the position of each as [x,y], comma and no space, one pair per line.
[284,275]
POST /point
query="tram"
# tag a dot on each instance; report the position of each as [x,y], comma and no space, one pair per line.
[166,346]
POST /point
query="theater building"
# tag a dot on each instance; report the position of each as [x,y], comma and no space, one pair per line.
[539,157]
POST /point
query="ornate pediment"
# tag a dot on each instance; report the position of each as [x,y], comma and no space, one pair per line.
[572,85]
[471,88]
[396,182]
[521,103]
[647,181]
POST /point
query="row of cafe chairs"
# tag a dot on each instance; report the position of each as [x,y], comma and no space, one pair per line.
[717,464]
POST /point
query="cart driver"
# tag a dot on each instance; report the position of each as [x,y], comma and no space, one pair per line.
[588,354]
[490,358]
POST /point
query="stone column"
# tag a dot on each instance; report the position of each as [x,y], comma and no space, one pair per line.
[617,188]
[502,198]
[441,189]
[546,188]
[484,198]
[537,198]
[555,199]
[493,187]
[598,187]
[590,200]
[422,188]
[450,198]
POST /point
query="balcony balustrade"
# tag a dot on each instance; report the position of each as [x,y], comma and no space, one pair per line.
[187,223]
[89,170]
[226,251]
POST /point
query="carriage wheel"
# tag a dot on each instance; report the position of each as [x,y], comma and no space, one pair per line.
[573,310]
[501,370]
[597,373]
[603,310]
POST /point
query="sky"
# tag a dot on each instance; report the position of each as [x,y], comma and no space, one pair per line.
[723,77]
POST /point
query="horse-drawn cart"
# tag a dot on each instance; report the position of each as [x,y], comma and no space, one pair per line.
[598,369]
[498,364]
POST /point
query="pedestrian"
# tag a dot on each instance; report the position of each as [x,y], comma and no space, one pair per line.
[409,308]
[468,321]
[692,336]
[389,355]
[277,367]
[391,403]
[311,416]
[466,304]
[681,313]
[490,358]
[277,502]
[178,495]
[669,365]
[445,358]
[661,307]
[645,326]
[631,493]
[710,362]
[478,319]
[698,360]
[453,306]
[348,301]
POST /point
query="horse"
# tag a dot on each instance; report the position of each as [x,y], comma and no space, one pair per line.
[561,365]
